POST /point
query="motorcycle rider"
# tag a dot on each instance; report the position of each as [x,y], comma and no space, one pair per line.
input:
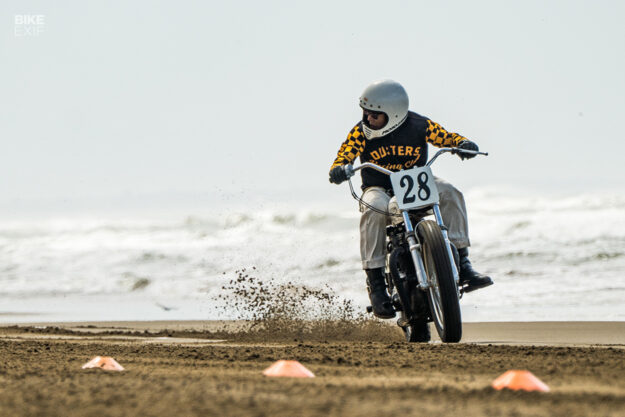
[391,136]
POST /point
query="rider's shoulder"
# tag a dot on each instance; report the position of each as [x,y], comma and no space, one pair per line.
[356,131]
[416,117]
[417,121]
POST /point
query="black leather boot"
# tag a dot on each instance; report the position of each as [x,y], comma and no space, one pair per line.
[469,276]
[380,300]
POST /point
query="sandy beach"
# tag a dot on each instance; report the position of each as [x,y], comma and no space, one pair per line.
[215,368]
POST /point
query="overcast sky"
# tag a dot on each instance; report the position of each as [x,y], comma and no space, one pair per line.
[141,102]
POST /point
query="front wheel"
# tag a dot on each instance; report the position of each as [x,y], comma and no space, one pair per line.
[443,292]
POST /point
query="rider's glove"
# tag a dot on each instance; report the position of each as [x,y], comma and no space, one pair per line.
[469,146]
[338,175]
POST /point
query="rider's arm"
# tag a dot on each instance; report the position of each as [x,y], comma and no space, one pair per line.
[439,137]
[351,148]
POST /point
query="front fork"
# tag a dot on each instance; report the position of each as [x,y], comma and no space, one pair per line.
[452,259]
[415,248]
[415,252]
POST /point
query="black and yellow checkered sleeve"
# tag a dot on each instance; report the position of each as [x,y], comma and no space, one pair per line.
[439,137]
[351,148]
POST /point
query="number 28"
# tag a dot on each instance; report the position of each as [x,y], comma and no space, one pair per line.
[423,191]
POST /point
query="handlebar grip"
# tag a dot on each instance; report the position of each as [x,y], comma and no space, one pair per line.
[460,150]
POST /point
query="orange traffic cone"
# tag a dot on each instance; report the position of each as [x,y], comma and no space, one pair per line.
[516,380]
[103,362]
[292,369]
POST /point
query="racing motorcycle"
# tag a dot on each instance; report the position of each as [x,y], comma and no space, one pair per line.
[422,264]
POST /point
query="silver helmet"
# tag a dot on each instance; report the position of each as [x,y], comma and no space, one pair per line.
[389,97]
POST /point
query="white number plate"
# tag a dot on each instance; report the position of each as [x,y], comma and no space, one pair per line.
[414,188]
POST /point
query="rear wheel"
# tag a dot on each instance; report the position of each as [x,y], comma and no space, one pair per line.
[443,292]
[418,332]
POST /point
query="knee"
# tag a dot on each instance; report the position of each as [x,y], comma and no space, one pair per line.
[447,190]
[373,200]
[374,211]
[374,206]
[374,214]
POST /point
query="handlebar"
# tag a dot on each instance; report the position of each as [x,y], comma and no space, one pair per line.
[454,151]
[350,170]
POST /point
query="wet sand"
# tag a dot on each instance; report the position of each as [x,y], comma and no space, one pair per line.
[202,368]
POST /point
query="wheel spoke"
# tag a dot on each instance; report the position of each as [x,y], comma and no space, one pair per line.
[435,293]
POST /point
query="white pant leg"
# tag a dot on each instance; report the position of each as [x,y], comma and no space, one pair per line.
[454,213]
[373,228]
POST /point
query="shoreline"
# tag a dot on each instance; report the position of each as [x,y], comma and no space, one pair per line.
[545,333]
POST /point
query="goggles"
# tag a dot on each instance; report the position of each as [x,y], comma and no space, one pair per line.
[373,114]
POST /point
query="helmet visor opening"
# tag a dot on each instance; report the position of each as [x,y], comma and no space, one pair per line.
[374,119]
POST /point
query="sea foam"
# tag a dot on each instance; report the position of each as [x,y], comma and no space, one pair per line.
[551,258]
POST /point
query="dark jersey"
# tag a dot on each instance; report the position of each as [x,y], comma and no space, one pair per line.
[403,148]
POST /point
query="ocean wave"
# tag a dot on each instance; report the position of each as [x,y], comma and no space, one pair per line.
[529,245]
[492,201]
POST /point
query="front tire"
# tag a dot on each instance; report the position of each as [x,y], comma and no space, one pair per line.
[443,292]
